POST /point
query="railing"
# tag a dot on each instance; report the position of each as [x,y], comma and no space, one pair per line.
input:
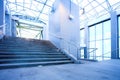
[1,26]
[74,49]
[109,52]
[103,56]
[1,31]
[71,48]
[91,54]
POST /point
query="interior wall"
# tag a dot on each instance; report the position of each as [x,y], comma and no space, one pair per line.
[54,25]
[13,28]
[8,24]
[2,18]
[65,32]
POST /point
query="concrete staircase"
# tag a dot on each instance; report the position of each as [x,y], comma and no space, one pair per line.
[21,52]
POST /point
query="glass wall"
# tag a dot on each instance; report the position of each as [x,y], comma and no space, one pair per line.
[82,42]
[100,39]
[119,33]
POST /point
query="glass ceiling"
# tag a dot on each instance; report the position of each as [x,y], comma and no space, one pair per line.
[92,9]
[38,10]
[34,10]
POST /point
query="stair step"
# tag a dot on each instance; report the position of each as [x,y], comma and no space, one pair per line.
[29,53]
[34,59]
[24,46]
[24,60]
[32,56]
[27,50]
[15,65]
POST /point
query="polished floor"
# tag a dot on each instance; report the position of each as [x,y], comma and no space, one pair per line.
[105,70]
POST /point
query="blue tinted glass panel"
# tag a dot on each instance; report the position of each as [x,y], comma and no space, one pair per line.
[119,47]
[119,34]
[92,33]
[99,31]
[99,50]
[119,25]
[107,49]
[107,29]
[82,37]
[90,50]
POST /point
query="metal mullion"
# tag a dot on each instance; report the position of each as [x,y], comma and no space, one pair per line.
[23,4]
[100,4]
[31,4]
[42,9]
[16,5]
[42,3]
[25,7]
[93,7]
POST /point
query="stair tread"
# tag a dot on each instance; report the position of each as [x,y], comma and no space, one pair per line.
[32,59]
[33,55]
[27,52]
[39,63]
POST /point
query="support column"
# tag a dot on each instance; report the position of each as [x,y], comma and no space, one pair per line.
[86,54]
[8,25]
[2,18]
[13,28]
[114,36]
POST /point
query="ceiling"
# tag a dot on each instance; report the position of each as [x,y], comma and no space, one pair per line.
[38,10]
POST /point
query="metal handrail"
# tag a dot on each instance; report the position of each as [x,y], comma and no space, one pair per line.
[103,55]
[73,43]
[1,31]
[80,48]
[94,49]
[110,52]
[94,54]
[70,43]
[1,26]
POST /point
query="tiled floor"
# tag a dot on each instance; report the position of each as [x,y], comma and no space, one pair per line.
[106,70]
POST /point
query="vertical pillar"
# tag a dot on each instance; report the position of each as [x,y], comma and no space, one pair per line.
[114,36]
[2,18]
[13,28]
[8,24]
[86,54]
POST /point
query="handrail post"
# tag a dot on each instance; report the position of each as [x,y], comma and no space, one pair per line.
[69,47]
[77,54]
[85,53]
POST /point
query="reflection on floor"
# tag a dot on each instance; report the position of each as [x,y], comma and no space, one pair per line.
[105,70]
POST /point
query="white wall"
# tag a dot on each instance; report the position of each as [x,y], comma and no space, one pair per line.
[63,32]
[54,25]
[8,24]
[2,18]
[13,28]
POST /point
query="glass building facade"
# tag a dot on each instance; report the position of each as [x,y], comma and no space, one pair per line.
[119,33]
[100,38]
